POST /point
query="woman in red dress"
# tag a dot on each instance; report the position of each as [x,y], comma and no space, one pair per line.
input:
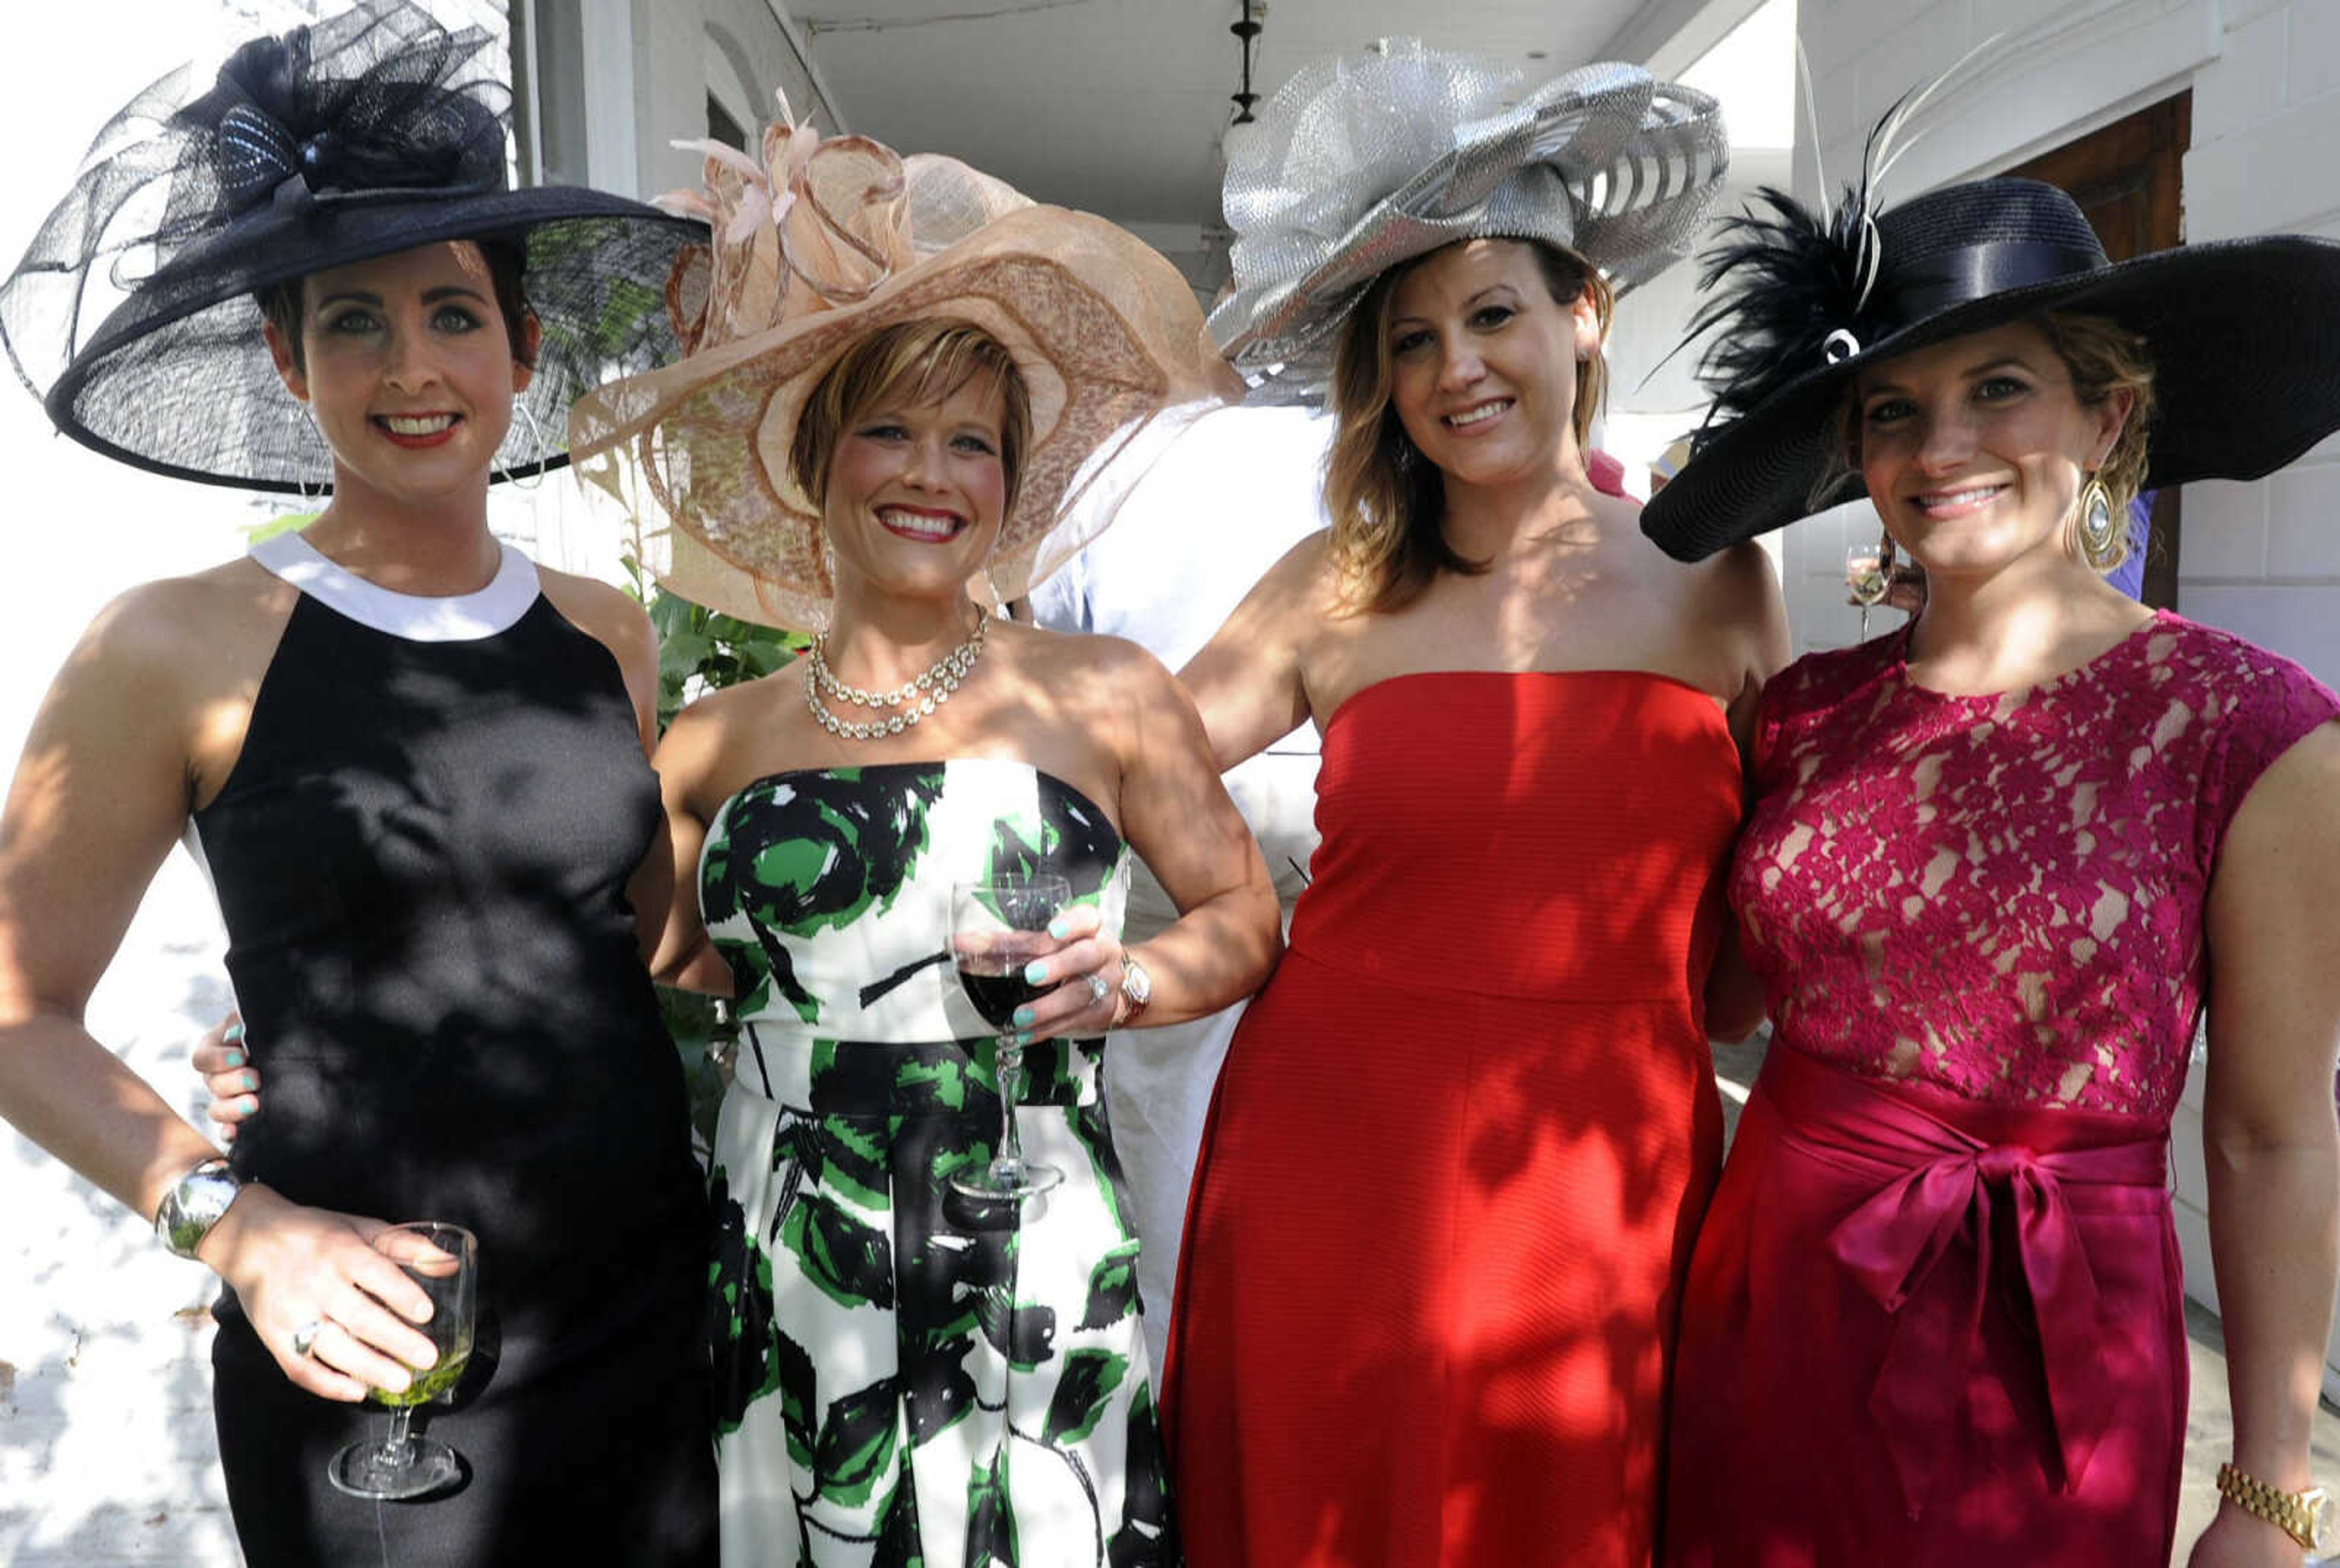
[1996,862]
[1463,1138]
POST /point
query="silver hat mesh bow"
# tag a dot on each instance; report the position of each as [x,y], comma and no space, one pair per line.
[1361,163]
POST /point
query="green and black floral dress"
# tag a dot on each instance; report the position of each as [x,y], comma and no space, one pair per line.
[905,1376]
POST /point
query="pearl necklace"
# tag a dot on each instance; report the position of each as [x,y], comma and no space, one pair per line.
[935,684]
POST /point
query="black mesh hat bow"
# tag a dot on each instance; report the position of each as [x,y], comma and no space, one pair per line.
[375,131]
[2240,333]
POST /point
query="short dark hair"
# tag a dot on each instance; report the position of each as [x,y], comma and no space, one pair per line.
[282,304]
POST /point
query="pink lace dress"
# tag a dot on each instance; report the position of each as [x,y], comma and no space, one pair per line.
[1935,1316]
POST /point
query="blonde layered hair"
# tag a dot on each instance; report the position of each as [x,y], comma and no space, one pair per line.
[1388,501]
[920,363]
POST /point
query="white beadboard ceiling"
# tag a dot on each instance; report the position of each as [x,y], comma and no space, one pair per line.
[1116,106]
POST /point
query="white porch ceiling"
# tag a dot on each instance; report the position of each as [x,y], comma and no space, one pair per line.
[1116,106]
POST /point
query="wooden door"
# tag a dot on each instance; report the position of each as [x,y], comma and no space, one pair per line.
[2127,178]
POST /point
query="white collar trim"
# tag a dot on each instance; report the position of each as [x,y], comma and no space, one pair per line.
[455,618]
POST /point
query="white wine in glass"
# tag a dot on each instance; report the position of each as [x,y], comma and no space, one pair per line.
[443,1259]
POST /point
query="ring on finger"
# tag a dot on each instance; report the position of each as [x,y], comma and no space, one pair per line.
[1099,988]
[305,1338]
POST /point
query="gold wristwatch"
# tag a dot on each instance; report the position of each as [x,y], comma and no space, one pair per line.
[2305,1517]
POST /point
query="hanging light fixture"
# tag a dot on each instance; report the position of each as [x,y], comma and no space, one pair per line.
[1246,30]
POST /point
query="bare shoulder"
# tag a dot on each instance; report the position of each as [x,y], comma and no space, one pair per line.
[707,722]
[1734,593]
[1081,657]
[1738,584]
[723,739]
[1296,602]
[2304,781]
[1306,579]
[180,630]
[1107,688]
[609,615]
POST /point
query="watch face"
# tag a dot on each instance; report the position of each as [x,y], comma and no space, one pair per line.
[1136,981]
[2319,1506]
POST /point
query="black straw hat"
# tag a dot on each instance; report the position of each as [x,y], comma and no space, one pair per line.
[2241,333]
[370,133]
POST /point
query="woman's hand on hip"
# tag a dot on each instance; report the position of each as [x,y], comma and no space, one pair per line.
[227,1072]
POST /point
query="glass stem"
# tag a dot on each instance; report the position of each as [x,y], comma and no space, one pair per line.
[1009,1063]
[394,1447]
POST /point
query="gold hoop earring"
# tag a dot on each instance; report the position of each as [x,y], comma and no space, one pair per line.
[2101,545]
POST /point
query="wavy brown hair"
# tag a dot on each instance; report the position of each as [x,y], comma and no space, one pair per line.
[1387,501]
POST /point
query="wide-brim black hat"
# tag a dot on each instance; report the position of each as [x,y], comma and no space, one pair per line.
[361,136]
[2240,332]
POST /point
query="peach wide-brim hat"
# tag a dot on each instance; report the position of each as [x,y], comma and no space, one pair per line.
[824,242]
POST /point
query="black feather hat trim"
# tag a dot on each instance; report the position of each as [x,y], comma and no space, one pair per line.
[2240,333]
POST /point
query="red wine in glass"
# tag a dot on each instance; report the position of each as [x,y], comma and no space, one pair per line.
[997,928]
[995,983]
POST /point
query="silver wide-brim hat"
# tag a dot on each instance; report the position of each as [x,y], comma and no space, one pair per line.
[1359,163]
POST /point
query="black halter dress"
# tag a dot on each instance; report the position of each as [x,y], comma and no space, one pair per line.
[421,855]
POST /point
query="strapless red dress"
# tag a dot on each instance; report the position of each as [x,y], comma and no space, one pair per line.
[1462,1141]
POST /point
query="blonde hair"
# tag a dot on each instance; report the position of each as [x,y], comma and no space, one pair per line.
[1387,500]
[2102,357]
[922,362]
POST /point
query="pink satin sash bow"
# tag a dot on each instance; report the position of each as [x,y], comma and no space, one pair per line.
[1922,1245]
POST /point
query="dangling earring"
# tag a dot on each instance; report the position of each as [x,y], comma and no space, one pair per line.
[312,494]
[2101,545]
[828,583]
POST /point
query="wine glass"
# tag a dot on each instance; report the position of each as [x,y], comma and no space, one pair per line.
[997,927]
[443,1260]
[1867,577]
[1866,572]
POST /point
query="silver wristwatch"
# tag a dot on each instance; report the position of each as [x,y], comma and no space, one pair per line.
[194,1205]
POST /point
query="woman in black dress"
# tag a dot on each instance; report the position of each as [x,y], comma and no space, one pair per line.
[414,767]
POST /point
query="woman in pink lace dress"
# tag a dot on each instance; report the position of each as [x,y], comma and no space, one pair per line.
[1998,860]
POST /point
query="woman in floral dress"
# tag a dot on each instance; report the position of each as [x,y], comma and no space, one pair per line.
[904,1373]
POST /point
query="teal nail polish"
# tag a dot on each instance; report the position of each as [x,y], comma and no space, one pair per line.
[1060,929]
[1023,1037]
[233,1033]
[1036,973]
[234,1058]
[1024,1014]
[247,1081]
